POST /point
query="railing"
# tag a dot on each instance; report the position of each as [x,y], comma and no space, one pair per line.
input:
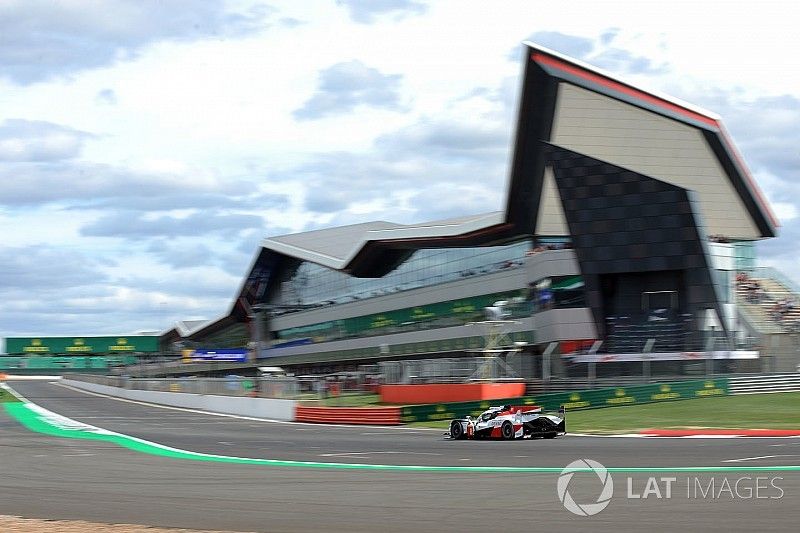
[352,388]
[447,370]
[285,388]
[669,332]
[767,383]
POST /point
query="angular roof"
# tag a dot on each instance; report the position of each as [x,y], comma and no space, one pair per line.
[567,103]
[576,106]
[571,104]
[337,247]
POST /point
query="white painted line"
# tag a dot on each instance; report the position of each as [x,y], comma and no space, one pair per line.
[757,458]
[343,454]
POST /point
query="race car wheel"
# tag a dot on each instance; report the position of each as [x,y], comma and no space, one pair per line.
[507,430]
[456,430]
[549,435]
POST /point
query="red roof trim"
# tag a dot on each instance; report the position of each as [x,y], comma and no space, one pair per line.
[621,88]
[667,106]
[746,172]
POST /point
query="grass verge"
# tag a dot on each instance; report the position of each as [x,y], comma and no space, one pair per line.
[344,400]
[751,411]
[6,396]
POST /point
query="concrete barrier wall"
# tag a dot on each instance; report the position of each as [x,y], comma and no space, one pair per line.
[232,405]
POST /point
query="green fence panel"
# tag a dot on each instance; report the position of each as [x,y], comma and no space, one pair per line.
[82,345]
[576,400]
[67,362]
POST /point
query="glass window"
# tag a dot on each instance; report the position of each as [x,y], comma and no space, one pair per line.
[312,284]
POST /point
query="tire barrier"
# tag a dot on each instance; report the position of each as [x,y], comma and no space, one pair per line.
[374,416]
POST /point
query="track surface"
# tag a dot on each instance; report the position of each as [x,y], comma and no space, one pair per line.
[63,478]
[313,442]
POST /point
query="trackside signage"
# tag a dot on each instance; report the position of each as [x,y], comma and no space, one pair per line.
[81,345]
[585,399]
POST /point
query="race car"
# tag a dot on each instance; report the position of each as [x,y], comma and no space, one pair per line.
[510,422]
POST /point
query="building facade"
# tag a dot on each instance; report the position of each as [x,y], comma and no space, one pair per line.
[627,213]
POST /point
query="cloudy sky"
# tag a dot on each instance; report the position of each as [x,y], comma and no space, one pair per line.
[147,146]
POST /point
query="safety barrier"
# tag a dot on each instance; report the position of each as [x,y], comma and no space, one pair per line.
[268,408]
[575,400]
[376,416]
[760,384]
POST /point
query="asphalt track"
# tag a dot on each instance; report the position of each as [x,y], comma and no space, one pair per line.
[50,477]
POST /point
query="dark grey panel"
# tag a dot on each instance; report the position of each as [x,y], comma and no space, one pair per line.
[632,234]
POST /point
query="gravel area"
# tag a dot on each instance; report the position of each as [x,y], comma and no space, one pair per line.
[14,524]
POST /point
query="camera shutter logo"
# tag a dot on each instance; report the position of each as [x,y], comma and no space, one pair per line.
[585,509]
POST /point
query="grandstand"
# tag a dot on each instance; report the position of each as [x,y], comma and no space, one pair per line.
[627,217]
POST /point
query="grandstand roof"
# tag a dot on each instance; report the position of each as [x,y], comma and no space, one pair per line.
[566,103]
[571,104]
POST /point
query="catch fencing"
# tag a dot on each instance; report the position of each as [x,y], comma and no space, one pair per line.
[255,387]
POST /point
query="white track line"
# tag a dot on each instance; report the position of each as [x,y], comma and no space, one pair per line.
[757,458]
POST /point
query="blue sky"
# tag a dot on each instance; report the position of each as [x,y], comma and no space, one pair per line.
[146,147]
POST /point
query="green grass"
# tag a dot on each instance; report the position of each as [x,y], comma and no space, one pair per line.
[6,396]
[345,400]
[754,411]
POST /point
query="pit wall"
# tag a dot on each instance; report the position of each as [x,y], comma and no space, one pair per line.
[232,405]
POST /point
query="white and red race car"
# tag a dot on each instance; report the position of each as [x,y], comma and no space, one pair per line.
[510,422]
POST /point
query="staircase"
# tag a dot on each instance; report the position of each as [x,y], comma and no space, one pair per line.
[762,314]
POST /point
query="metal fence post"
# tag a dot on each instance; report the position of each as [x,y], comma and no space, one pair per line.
[546,363]
[648,348]
[592,371]
[710,345]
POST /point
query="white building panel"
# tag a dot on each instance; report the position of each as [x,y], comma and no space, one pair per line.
[653,145]
[551,220]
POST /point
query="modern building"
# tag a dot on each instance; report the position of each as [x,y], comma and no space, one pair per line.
[627,215]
